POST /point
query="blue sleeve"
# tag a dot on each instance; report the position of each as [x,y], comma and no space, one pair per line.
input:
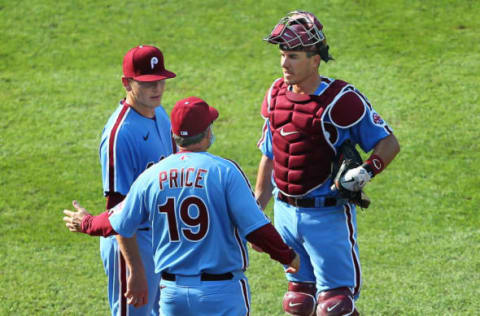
[127,216]
[242,206]
[370,130]
[265,142]
[118,166]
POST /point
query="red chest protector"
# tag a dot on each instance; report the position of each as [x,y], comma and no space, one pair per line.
[302,155]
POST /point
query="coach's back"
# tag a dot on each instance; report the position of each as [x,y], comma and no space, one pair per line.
[199,223]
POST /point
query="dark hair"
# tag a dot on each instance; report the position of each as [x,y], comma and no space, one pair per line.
[187,141]
[318,49]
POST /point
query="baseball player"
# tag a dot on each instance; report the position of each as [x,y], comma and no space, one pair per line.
[137,135]
[201,209]
[307,118]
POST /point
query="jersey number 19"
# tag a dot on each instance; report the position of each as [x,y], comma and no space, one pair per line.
[197,226]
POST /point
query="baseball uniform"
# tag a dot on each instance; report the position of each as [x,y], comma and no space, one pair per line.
[201,208]
[130,144]
[302,134]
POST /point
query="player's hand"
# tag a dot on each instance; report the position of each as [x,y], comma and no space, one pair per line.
[256,248]
[137,289]
[355,179]
[73,220]
[294,266]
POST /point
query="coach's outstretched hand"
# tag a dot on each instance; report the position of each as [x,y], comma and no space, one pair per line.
[294,266]
[73,220]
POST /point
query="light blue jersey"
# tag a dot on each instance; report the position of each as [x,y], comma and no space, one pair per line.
[201,208]
[130,144]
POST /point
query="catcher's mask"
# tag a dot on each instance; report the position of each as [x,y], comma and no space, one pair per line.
[300,30]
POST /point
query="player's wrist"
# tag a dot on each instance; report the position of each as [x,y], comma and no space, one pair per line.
[291,255]
[86,223]
[374,165]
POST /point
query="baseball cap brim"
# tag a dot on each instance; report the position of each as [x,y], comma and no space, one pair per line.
[213,114]
[155,77]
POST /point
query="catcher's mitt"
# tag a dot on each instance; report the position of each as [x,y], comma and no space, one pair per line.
[348,158]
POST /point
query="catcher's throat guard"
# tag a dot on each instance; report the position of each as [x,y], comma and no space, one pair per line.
[348,158]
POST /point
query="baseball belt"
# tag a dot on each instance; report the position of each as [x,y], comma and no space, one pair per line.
[204,276]
[309,203]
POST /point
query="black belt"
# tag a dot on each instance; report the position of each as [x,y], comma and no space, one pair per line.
[146,228]
[328,201]
[204,276]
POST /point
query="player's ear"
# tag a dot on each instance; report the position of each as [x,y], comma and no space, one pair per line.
[126,83]
[317,59]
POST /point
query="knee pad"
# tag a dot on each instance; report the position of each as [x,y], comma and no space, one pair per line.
[336,302]
[300,299]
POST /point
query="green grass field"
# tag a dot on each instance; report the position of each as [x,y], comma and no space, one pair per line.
[417,61]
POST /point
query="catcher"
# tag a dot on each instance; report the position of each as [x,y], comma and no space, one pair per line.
[309,123]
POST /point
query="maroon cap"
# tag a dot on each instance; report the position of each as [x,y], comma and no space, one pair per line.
[145,63]
[191,116]
[297,29]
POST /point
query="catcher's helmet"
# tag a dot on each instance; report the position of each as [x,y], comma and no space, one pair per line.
[300,30]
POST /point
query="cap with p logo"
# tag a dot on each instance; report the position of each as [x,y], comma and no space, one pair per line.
[145,63]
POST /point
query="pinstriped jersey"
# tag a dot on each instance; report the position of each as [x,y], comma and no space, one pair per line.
[201,207]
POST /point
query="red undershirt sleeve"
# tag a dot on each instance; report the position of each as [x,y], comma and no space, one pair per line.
[267,238]
[99,225]
[113,199]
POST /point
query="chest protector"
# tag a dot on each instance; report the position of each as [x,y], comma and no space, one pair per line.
[302,155]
